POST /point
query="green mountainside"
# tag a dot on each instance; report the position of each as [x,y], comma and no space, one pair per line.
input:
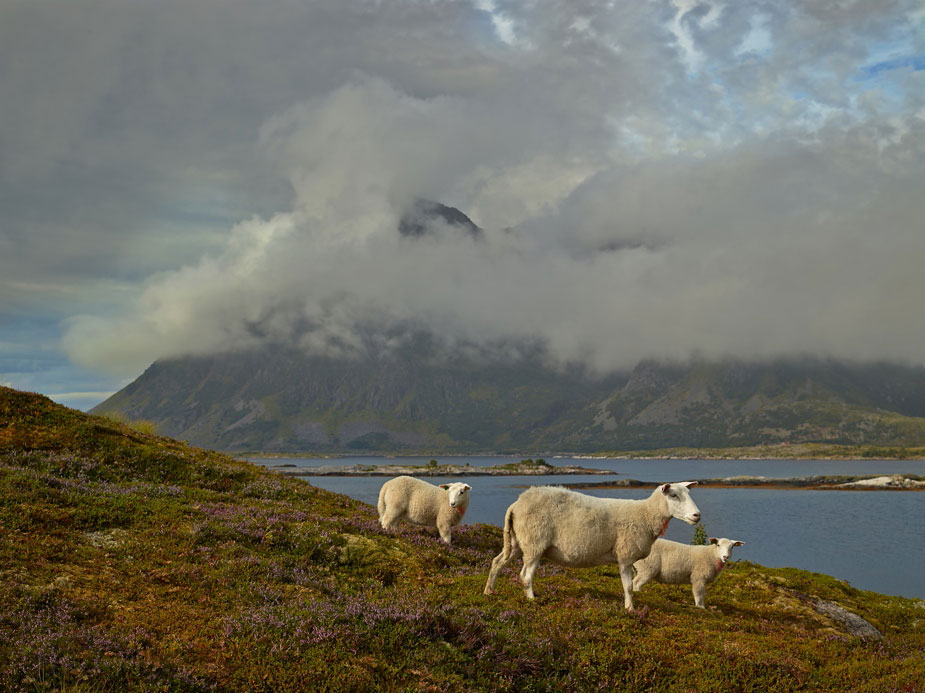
[133,562]
[734,403]
[280,400]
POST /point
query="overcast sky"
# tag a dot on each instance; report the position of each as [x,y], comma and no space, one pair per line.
[660,178]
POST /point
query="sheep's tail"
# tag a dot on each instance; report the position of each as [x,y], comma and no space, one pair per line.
[510,538]
[507,551]
[381,504]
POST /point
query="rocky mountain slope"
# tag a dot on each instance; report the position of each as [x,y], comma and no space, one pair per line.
[282,400]
[734,403]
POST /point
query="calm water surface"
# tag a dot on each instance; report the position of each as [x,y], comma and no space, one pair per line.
[872,539]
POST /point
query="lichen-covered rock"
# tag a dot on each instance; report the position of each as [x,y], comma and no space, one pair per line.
[854,624]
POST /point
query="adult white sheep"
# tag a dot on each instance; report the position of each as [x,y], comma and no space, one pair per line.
[674,564]
[421,503]
[574,529]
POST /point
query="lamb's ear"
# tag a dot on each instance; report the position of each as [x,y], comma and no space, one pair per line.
[688,484]
[468,487]
[666,488]
[738,543]
[445,487]
[713,540]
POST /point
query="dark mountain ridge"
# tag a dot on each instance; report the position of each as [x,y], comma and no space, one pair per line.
[280,399]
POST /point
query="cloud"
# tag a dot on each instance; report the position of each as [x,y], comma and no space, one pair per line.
[768,248]
[653,179]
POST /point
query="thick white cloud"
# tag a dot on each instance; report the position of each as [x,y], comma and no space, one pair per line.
[767,248]
[654,179]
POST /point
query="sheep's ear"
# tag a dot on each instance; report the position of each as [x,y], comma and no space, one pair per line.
[688,484]
[445,487]
[738,543]
[666,488]
[713,540]
[468,487]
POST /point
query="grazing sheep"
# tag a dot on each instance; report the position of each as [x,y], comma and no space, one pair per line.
[674,564]
[574,529]
[421,503]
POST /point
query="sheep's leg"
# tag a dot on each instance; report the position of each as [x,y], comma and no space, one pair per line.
[497,565]
[626,577]
[390,517]
[699,590]
[445,534]
[526,573]
[642,577]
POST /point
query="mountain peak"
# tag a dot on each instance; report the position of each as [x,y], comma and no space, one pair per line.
[420,218]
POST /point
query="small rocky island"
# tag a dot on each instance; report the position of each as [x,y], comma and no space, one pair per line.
[893,482]
[523,468]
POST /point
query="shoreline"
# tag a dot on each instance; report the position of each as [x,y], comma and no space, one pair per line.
[837,482]
[893,482]
[513,469]
[796,451]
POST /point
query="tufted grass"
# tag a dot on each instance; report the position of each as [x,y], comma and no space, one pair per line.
[131,562]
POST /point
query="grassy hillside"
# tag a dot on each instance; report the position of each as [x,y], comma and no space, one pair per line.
[133,562]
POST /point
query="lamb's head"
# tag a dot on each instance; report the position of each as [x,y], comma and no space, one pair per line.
[679,501]
[458,493]
[724,548]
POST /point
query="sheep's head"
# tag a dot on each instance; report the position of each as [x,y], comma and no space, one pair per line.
[679,501]
[724,548]
[458,493]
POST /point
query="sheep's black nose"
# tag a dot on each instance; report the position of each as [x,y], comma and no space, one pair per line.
[696,517]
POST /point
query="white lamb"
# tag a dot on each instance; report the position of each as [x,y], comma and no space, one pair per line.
[574,529]
[674,564]
[421,503]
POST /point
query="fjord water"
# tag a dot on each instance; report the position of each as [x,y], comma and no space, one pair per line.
[874,540]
